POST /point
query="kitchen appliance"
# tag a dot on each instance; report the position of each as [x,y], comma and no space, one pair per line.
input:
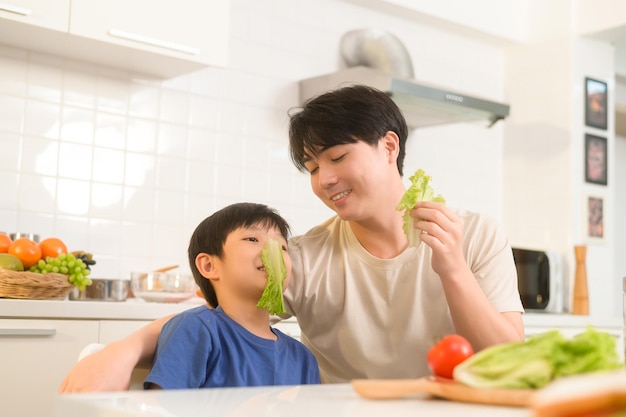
[378,59]
[542,280]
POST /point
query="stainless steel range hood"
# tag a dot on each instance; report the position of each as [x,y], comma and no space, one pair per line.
[422,105]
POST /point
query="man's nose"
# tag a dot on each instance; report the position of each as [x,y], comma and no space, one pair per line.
[326,177]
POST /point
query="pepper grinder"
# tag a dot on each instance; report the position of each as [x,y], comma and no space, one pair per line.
[581,292]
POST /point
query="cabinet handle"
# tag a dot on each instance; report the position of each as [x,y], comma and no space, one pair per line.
[135,37]
[28,332]
[15,9]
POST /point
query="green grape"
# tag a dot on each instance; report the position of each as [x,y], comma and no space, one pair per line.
[66,264]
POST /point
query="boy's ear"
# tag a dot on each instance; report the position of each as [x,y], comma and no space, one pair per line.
[206,266]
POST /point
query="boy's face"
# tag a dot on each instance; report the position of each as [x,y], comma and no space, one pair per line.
[241,270]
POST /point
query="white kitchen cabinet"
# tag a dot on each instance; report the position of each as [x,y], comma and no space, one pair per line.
[162,38]
[35,356]
[51,14]
[40,341]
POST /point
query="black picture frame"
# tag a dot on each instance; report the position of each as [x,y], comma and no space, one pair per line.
[596,159]
[596,102]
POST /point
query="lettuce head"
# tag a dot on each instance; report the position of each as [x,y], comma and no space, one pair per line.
[538,360]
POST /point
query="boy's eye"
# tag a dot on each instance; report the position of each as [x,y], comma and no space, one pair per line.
[284,248]
[251,239]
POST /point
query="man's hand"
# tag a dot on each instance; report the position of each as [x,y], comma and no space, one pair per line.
[105,370]
[442,231]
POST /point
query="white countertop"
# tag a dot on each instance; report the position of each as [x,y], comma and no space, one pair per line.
[132,309]
[287,401]
[136,309]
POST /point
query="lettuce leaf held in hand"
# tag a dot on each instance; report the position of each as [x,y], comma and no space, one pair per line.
[274,263]
[418,191]
[539,360]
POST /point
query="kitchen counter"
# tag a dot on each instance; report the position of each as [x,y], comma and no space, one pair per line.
[337,400]
[131,309]
[136,309]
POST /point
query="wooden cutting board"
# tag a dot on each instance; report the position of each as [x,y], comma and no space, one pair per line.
[442,388]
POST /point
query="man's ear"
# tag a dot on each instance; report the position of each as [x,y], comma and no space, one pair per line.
[206,265]
[391,143]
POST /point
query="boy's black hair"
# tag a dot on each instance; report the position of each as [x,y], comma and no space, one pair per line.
[346,115]
[210,236]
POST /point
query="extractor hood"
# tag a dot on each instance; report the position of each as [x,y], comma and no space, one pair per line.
[422,105]
[379,59]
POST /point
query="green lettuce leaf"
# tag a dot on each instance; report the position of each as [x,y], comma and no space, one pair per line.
[418,191]
[274,263]
[539,360]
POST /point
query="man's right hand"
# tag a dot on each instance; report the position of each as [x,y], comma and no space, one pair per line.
[105,370]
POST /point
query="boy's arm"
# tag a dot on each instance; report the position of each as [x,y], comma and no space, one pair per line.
[110,369]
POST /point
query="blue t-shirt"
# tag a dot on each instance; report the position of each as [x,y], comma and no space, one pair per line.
[203,347]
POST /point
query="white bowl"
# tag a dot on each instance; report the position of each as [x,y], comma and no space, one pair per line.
[163,287]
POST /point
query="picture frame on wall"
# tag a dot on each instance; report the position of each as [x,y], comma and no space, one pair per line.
[595,219]
[596,102]
[596,159]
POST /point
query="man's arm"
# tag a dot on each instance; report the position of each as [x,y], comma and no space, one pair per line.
[473,314]
[110,369]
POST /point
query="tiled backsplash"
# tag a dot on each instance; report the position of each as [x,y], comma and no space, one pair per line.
[125,167]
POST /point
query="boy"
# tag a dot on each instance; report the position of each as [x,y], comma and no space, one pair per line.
[231,344]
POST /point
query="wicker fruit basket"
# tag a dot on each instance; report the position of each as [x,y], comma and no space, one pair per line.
[34,286]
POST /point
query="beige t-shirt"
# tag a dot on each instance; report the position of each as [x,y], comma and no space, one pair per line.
[366,317]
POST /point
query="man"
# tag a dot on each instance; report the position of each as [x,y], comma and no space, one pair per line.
[369,306]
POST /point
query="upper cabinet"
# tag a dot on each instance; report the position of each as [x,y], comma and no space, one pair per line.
[162,38]
[51,14]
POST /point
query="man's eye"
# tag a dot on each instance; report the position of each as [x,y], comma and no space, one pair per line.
[284,248]
[339,158]
[313,170]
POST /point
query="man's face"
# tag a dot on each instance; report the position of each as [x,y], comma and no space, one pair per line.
[349,177]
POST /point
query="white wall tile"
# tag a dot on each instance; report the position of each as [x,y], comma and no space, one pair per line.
[108,166]
[37,193]
[41,119]
[39,156]
[77,125]
[10,186]
[11,145]
[110,131]
[140,170]
[72,197]
[75,161]
[144,160]
[141,135]
[139,204]
[11,113]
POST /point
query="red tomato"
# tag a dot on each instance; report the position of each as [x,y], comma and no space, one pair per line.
[450,351]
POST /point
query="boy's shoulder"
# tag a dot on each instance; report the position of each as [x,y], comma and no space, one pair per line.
[201,312]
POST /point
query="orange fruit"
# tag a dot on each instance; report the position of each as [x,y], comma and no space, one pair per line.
[25,250]
[5,242]
[52,247]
